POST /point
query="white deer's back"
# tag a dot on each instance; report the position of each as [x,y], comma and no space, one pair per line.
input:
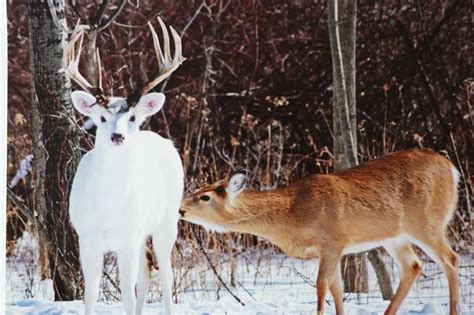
[127,191]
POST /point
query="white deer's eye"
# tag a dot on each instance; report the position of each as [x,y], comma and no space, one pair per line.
[102,119]
[132,119]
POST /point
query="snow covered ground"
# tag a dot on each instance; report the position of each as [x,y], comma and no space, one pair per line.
[227,306]
[267,284]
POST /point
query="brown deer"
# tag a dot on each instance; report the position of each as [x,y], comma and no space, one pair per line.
[393,201]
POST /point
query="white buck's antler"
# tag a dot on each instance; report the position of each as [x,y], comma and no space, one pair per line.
[72,66]
[167,65]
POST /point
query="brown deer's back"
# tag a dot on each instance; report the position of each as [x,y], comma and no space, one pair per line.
[394,194]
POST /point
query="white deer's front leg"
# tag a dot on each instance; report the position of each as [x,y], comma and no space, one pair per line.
[143,280]
[128,262]
[92,263]
[163,242]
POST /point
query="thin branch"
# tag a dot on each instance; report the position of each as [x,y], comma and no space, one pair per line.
[112,17]
[198,239]
[100,13]
[76,10]
[460,169]
[193,18]
[447,16]
[20,205]
[414,54]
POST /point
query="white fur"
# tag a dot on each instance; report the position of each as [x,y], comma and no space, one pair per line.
[456,176]
[208,226]
[362,247]
[123,193]
[236,185]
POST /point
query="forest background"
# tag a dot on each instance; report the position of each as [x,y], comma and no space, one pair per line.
[255,92]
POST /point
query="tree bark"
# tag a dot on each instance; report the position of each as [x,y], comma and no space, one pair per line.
[382,275]
[342,33]
[90,52]
[55,142]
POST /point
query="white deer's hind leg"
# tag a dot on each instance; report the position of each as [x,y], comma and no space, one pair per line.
[128,262]
[163,242]
[92,263]
[143,279]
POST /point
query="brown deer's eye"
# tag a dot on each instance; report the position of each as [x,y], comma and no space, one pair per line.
[205,198]
[102,119]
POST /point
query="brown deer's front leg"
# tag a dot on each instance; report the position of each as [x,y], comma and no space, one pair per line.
[329,260]
[336,290]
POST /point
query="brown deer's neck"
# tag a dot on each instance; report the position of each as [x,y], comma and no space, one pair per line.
[260,212]
[270,214]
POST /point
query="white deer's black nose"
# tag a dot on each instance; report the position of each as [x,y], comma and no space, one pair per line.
[117,138]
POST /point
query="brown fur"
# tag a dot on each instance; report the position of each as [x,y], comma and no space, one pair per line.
[410,193]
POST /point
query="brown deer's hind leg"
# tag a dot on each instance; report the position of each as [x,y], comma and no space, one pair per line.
[437,247]
[410,268]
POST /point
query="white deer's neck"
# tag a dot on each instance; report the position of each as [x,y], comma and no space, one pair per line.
[111,154]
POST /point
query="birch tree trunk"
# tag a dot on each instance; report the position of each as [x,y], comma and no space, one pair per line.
[342,33]
[54,141]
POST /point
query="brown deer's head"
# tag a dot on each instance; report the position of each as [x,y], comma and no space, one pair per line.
[212,205]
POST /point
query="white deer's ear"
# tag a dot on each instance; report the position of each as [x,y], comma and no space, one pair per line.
[84,102]
[150,104]
[237,183]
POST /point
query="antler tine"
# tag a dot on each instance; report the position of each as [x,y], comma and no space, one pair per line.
[166,65]
[99,69]
[72,66]
[156,44]
[178,49]
[166,44]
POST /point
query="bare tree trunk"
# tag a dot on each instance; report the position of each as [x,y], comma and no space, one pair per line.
[91,65]
[3,160]
[54,141]
[382,275]
[342,32]
[343,42]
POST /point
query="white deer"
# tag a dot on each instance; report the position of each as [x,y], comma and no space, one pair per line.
[129,186]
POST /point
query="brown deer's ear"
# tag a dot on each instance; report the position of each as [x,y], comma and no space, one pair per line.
[236,183]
